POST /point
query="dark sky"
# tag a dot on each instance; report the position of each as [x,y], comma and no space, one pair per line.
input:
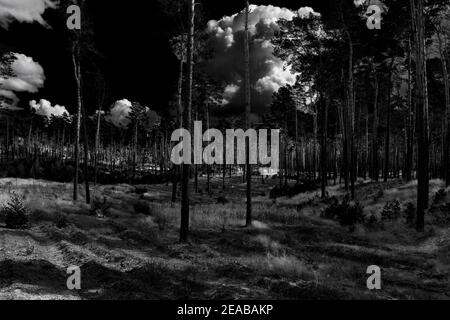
[133,37]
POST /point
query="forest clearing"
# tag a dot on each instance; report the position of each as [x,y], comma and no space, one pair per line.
[130,250]
[216,151]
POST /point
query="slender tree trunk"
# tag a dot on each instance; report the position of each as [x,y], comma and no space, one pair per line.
[351,107]
[375,173]
[247,115]
[97,145]
[445,74]
[86,158]
[323,149]
[184,227]
[410,122]
[77,70]
[177,169]
[417,7]
[135,147]
[297,155]
[388,125]
[208,167]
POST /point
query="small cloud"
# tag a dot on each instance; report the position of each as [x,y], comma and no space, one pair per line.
[119,114]
[45,109]
[27,11]
[307,12]
[28,75]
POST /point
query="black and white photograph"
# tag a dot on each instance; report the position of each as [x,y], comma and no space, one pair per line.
[212,151]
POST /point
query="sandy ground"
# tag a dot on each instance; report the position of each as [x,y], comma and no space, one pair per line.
[130,250]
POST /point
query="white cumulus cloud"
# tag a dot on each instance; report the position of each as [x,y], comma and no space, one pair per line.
[27,76]
[45,109]
[119,114]
[268,73]
[24,11]
[278,77]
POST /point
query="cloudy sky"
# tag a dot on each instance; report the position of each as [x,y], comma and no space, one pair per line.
[138,61]
[268,73]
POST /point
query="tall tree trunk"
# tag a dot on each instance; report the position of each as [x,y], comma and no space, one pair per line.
[375,173]
[297,155]
[351,111]
[410,122]
[77,71]
[135,147]
[86,158]
[184,227]
[177,169]
[444,64]
[247,115]
[388,124]
[208,166]
[97,145]
[423,169]
[323,149]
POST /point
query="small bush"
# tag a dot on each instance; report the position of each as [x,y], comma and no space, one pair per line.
[332,210]
[277,192]
[379,195]
[410,213]
[222,200]
[348,213]
[439,196]
[61,221]
[372,219]
[303,187]
[161,220]
[100,208]
[391,211]
[16,213]
[143,207]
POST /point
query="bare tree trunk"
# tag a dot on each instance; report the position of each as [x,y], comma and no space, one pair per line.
[297,155]
[184,227]
[444,64]
[410,122]
[351,107]
[86,158]
[208,167]
[323,149]
[77,70]
[375,173]
[135,147]
[177,169]
[417,7]
[388,124]
[97,145]
[247,116]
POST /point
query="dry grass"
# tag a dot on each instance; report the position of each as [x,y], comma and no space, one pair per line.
[288,242]
[283,266]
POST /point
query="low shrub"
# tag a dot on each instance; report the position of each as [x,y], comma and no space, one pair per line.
[439,196]
[161,220]
[99,207]
[391,211]
[61,221]
[410,213]
[348,213]
[143,207]
[286,191]
[16,213]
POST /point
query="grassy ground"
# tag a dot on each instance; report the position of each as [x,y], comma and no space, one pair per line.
[131,249]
